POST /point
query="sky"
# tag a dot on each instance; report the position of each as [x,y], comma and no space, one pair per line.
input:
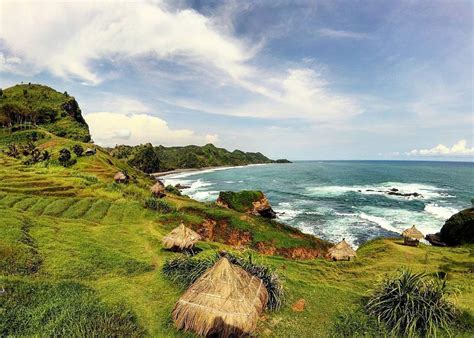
[304,80]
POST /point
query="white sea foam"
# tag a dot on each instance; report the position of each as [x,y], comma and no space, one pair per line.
[440,212]
[205,196]
[427,191]
[382,222]
[287,211]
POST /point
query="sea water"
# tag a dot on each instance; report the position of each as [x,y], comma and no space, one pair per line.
[342,199]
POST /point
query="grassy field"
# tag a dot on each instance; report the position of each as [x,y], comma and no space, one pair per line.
[80,254]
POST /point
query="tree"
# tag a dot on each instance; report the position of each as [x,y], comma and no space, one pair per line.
[46,155]
[146,160]
[78,150]
[1,92]
[64,157]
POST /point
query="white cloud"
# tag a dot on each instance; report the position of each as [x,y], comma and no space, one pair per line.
[66,38]
[73,39]
[341,34]
[109,129]
[458,149]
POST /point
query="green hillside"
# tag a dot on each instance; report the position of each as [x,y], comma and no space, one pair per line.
[153,159]
[26,105]
[81,255]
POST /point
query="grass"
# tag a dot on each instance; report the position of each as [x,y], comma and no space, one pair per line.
[92,248]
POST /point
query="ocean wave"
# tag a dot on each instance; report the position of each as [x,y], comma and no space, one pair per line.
[440,212]
[382,222]
[205,196]
[427,191]
[209,170]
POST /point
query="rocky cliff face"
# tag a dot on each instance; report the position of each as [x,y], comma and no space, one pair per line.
[249,201]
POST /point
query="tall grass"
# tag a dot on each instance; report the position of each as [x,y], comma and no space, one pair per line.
[413,305]
[185,270]
[159,205]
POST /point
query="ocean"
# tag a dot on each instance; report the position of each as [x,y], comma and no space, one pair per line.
[347,199]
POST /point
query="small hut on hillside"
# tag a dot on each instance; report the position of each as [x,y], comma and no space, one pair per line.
[412,236]
[341,251]
[158,189]
[120,177]
[225,301]
[181,238]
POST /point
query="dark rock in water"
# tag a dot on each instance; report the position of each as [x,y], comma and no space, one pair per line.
[435,239]
[459,228]
[182,186]
[394,189]
[369,190]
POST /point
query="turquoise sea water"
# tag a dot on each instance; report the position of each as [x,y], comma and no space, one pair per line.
[330,199]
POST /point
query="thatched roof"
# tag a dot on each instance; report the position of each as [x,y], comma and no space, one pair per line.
[341,251]
[120,176]
[226,300]
[413,232]
[158,188]
[181,237]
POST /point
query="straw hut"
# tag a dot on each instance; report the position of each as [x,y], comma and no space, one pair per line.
[158,189]
[225,301]
[120,177]
[341,251]
[412,236]
[181,238]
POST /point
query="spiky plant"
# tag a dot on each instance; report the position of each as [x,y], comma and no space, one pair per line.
[413,305]
[185,270]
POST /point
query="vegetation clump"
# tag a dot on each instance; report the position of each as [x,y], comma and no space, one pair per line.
[78,150]
[172,189]
[65,158]
[412,304]
[241,201]
[159,205]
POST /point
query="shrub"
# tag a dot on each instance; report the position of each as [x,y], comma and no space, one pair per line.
[172,189]
[78,150]
[159,205]
[185,270]
[411,305]
[65,158]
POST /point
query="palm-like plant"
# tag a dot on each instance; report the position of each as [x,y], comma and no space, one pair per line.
[413,305]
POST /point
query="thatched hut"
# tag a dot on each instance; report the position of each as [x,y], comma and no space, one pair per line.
[412,236]
[341,251]
[158,189]
[181,238]
[226,300]
[90,152]
[120,177]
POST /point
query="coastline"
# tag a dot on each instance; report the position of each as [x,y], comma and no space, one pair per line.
[158,175]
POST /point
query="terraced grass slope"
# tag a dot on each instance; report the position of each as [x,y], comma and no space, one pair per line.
[81,255]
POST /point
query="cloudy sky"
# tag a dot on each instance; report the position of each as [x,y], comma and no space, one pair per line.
[295,79]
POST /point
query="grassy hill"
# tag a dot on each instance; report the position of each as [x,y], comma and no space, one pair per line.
[153,159]
[33,104]
[81,254]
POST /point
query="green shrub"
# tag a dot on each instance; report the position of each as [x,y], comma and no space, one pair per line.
[78,150]
[65,158]
[172,189]
[159,205]
[412,305]
[185,270]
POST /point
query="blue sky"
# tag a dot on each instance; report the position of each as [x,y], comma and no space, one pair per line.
[294,79]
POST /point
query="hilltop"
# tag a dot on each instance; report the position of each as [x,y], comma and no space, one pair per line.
[82,254]
[27,105]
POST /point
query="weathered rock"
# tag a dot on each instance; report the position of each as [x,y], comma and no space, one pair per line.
[249,201]
[299,305]
[459,228]
[182,186]
[435,239]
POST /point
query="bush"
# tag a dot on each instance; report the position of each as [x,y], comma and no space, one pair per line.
[186,270]
[172,189]
[411,305]
[159,205]
[65,158]
[78,150]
